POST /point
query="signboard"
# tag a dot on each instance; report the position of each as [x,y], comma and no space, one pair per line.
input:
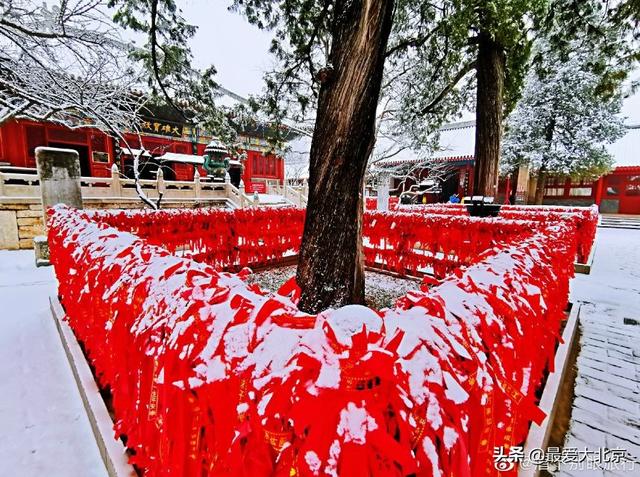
[259,187]
[163,128]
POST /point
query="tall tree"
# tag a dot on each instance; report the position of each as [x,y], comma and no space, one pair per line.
[468,54]
[563,121]
[582,59]
[433,51]
[348,101]
[65,62]
[332,56]
[355,36]
[609,30]
[171,78]
[503,43]
[429,77]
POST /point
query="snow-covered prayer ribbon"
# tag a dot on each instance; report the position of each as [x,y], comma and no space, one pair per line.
[212,376]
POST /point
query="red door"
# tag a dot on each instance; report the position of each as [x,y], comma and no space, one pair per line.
[622,188]
[630,195]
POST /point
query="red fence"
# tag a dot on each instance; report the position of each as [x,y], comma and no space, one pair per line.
[223,238]
[211,376]
[584,218]
[408,243]
[435,244]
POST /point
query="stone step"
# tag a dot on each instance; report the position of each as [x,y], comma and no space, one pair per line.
[619,226]
[619,221]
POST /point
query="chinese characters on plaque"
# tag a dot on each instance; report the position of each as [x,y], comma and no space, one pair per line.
[161,127]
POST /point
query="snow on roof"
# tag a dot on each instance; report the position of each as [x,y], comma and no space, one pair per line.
[459,125]
[135,152]
[184,158]
[418,160]
[626,150]
[457,143]
[457,140]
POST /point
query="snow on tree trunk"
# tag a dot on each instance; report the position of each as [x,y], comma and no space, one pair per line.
[331,266]
[489,106]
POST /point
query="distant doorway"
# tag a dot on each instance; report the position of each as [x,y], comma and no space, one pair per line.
[450,186]
[83,154]
[235,175]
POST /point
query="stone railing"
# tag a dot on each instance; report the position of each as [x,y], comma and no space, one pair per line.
[297,195]
[21,214]
[23,185]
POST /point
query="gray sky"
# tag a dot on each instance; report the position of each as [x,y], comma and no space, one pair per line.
[631,109]
[238,50]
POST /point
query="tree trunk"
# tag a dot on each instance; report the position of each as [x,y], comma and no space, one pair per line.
[542,172]
[540,184]
[489,109]
[331,265]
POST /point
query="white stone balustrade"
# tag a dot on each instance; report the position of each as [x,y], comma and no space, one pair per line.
[24,185]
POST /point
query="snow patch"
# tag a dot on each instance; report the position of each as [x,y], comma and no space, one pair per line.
[355,423]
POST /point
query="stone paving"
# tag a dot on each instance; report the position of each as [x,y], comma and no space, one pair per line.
[606,409]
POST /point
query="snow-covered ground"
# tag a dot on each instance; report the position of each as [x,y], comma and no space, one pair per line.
[272,199]
[381,290]
[615,275]
[606,407]
[44,430]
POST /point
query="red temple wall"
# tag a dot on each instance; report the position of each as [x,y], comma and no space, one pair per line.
[18,140]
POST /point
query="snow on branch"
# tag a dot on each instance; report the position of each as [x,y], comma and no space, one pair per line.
[66,63]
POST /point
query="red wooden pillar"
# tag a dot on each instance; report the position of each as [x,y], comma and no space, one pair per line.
[598,186]
[507,189]
[248,172]
[567,188]
[14,144]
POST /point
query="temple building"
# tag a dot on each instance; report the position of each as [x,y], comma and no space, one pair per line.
[615,192]
[174,146]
